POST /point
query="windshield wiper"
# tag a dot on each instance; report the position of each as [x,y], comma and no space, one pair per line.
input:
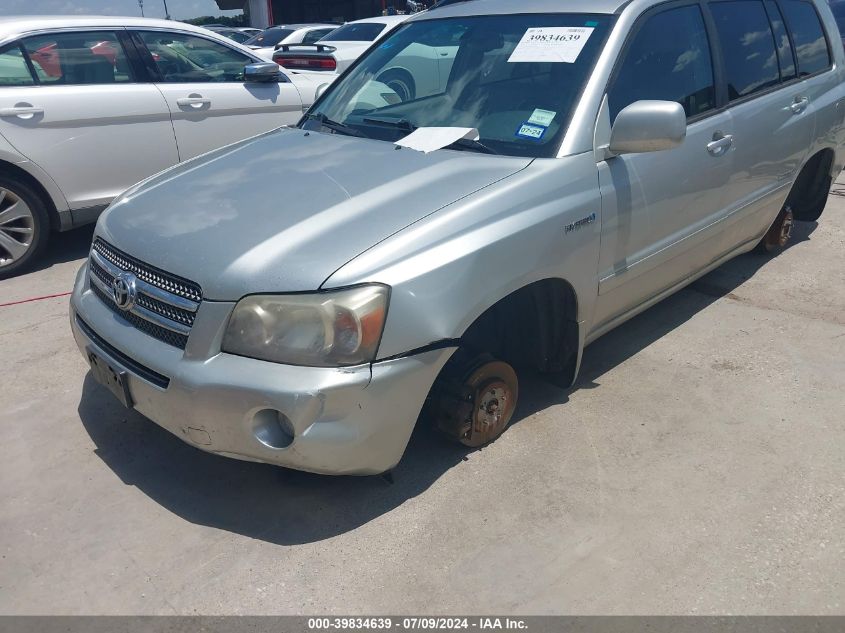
[399,124]
[471,145]
[340,128]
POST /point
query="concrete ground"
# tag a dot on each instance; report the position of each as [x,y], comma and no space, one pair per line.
[698,467]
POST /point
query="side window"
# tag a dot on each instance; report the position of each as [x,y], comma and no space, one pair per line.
[182,58]
[810,43]
[78,58]
[748,45]
[13,68]
[787,62]
[668,59]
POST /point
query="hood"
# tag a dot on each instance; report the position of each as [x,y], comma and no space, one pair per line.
[282,211]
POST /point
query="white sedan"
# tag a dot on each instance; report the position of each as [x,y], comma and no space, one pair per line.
[418,70]
[337,50]
[90,106]
[267,41]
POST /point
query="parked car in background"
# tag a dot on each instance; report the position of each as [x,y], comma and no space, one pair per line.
[268,40]
[90,106]
[236,35]
[249,30]
[319,286]
[336,51]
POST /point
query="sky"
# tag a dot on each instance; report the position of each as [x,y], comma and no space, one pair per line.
[179,9]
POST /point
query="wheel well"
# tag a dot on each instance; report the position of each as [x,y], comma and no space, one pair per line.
[812,184]
[405,75]
[534,328]
[13,171]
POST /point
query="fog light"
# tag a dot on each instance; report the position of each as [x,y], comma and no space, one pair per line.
[273,429]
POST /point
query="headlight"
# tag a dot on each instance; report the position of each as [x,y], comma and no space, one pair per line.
[327,329]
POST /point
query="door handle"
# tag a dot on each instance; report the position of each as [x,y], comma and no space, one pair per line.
[720,143]
[799,105]
[192,101]
[24,112]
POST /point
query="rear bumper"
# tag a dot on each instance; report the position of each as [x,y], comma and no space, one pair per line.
[354,420]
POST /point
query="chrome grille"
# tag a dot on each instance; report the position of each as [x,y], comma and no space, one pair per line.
[147,327]
[165,305]
[150,274]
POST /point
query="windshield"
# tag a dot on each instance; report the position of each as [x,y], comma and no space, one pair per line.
[355,32]
[514,78]
[270,37]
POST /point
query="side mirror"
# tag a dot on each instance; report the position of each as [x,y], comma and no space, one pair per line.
[264,72]
[648,126]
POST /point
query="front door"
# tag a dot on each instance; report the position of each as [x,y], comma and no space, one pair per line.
[77,112]
[211,105]
[656,207]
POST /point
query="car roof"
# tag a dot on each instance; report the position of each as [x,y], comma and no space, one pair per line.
[18,25]
[311,25]
[498,7]
[383,19]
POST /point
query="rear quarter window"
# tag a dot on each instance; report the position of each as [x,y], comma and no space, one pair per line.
[810,43]
[748,45]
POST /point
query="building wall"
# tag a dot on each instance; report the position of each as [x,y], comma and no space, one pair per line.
[259,13]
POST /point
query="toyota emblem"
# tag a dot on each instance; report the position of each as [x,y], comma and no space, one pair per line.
[124,291]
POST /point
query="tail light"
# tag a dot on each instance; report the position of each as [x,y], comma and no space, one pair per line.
[306,63]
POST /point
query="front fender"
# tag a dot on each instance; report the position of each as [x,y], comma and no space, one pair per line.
[448,269]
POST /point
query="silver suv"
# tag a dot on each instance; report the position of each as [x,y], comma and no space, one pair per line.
[300,298]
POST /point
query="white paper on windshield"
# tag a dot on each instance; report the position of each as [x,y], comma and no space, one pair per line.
[429,139]
[551,44]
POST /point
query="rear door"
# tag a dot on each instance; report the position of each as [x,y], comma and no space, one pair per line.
[772,110]
[657,207]
[211,105]
[82,113]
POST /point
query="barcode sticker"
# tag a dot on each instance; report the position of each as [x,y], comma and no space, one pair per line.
[551,44]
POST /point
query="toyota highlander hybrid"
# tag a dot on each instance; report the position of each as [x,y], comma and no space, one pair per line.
[303,297]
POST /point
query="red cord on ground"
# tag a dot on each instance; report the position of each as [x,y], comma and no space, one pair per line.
[14,303]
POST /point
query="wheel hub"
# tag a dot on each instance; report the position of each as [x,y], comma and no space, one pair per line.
[493,401]
[474,402]
[786,224]
[17,227]
[780,231]
[493,388]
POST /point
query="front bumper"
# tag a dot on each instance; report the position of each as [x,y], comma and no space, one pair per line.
[352,420]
